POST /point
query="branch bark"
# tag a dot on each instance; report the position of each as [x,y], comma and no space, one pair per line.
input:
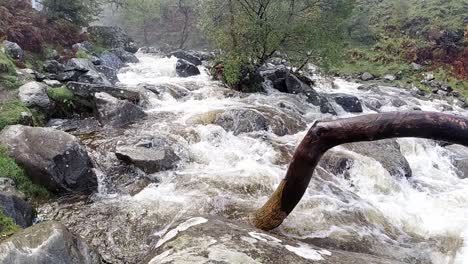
[326,135]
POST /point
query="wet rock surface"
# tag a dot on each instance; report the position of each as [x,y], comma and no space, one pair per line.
[387,153]
[48,242]
[51,158]
[212,240]
[12,205]
[116,113]
[186,69]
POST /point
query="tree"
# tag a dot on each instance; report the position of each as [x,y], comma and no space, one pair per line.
[143,14]
[78,12]
[326,135]
[255,30]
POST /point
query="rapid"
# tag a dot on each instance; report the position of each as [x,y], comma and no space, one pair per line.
[229,173]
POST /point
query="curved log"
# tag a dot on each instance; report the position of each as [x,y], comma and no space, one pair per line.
[326,135]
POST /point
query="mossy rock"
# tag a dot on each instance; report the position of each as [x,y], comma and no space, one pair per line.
[60,94]
[7,226]
[9,169]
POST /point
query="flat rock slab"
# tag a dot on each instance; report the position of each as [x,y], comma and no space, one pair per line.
[212,240]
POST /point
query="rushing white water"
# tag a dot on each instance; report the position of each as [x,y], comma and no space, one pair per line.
[423,219]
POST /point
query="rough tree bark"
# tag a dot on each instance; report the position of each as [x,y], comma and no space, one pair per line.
[326,135]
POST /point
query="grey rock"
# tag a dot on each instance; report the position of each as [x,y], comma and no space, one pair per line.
[109,73]
[44,243]
[125,56]
[389,77]
[294,85]
[111,60]
[212,240]
[387,152]
[75,126]
[53,66]
[94,77]
[151,156]
[34,94]
[13,50]
[185,55]
[7,185]
[336,163]
[367,76]
[68,76]
[416,67]
[186,69]
[242,121]
[349,103]
[82,65]
[460,160]
[115,112]
[50,158]
[87,91]
[15,207]
[397,102]
[52,83]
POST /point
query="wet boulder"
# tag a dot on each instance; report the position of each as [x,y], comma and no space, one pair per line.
[12,205]
[213,240]
[242,121]
[51,158]
[67,76]
[336,163]
[367,76]
[76,64]
[111,60]
[387,152]
[86,91]
[349,103]
[295,85]
[94,77]
[151,155]
[13,50]
[48,242]
[459,160]
[109,73]
[116,113]
[34,94]
[125,56]
[186,69]
[185,55]
[53,66]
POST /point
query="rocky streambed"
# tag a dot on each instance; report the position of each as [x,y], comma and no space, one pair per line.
[176,162]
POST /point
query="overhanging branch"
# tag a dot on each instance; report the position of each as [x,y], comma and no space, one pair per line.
[326,135]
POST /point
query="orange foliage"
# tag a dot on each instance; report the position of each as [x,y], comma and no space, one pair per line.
[22,24]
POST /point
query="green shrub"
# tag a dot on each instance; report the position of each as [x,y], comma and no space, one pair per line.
[9,169]
[9,81]
[7,226]
[81,54]
[7,66]
[60,94]
[10,113]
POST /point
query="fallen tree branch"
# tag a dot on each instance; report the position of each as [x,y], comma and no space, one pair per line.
[326,135]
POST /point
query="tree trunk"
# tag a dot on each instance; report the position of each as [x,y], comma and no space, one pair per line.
[326,135]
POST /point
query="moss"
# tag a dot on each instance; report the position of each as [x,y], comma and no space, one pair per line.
[9,81]
[60,94]
[7,65]
[7,226]
[9,169]
[10,113]
[81,54]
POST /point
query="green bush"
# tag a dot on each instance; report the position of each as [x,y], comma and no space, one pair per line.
[7,66]
[9,169]
[7,226]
